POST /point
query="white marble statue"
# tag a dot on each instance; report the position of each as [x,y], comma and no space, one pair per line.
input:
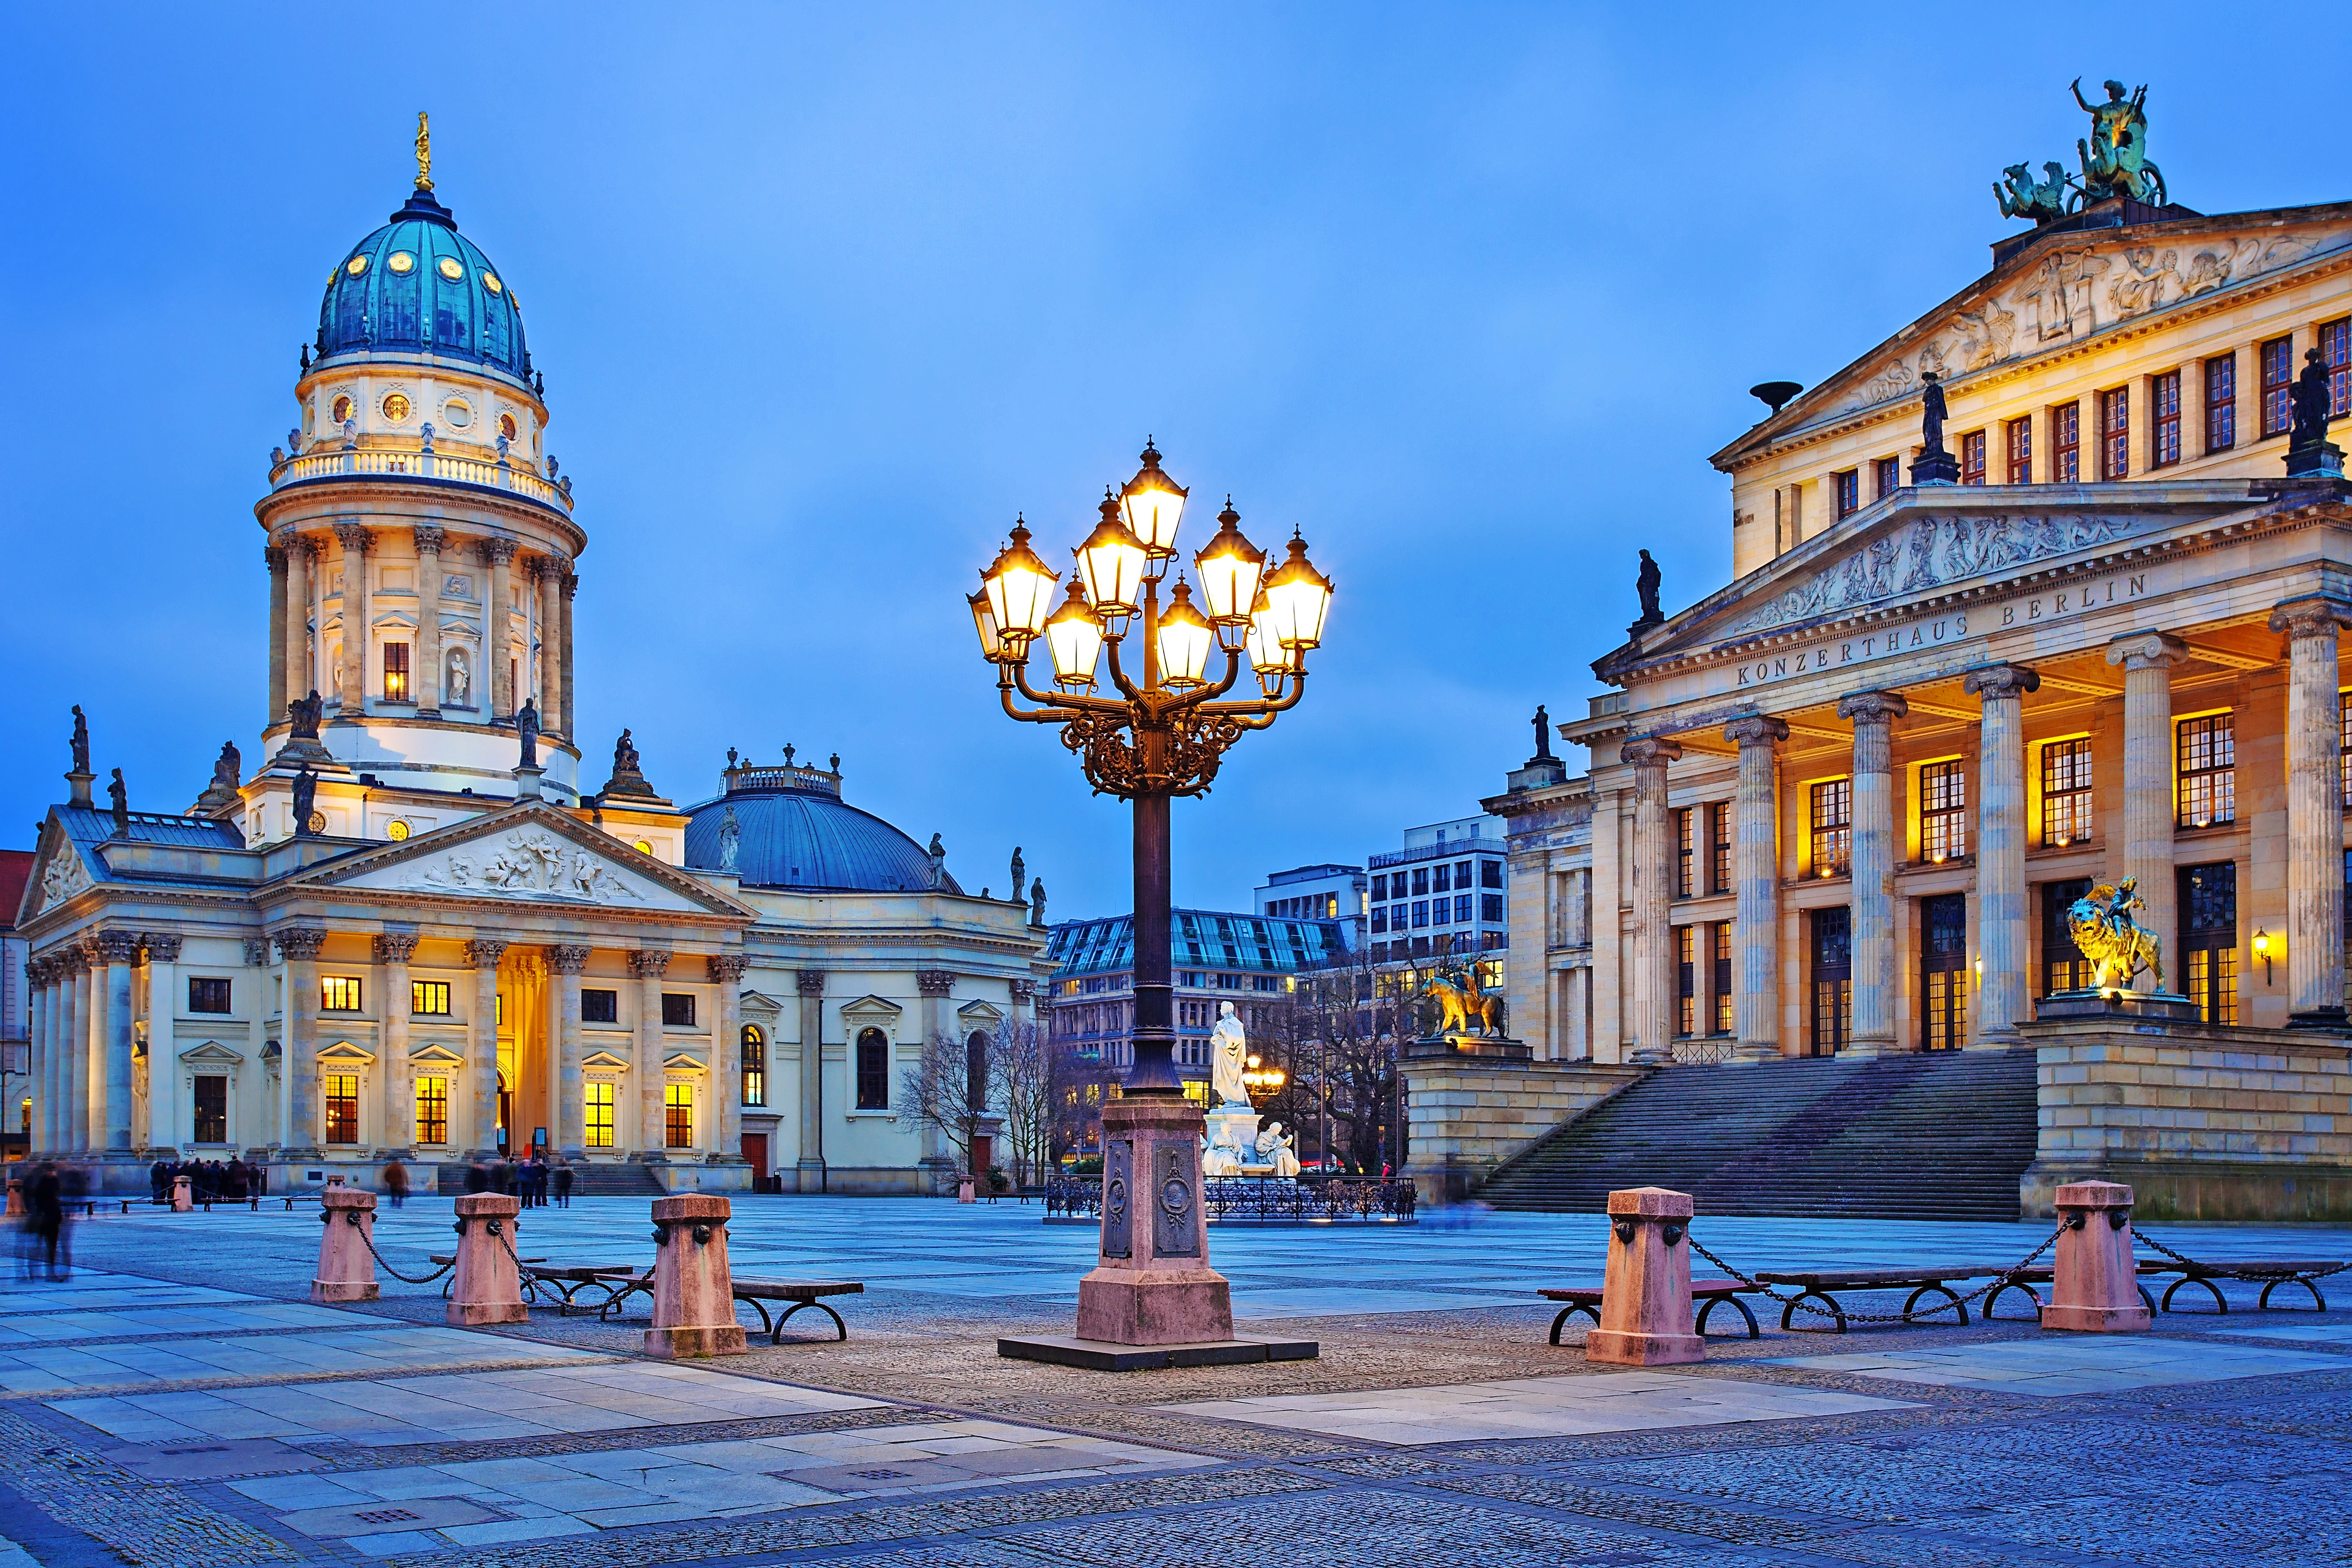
[1276,1148]
[1220,1158]
[1228,1052]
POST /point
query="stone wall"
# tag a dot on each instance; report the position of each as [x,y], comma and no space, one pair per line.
[2202,1122]
[1463,1118]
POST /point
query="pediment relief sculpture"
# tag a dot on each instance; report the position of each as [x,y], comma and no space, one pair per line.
[1930,552]
[524,863]
[63,878]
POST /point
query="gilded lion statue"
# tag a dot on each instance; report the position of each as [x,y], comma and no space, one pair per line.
[2118,946]
[1460,1002]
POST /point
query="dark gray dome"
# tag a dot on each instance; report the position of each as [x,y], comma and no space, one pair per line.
[797,833]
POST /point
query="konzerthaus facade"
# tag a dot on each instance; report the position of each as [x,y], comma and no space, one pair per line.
[393,940]
[1840,804]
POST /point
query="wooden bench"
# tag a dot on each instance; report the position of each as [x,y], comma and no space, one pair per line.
[1817,1285]
[800,1293]
[568,1281]
[449,1260]
[1713,1293]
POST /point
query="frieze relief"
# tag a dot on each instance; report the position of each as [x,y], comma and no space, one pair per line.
[65,876]
[527,863]
[1930,553]
[2074,291]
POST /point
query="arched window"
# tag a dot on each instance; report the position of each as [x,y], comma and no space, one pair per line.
[755,1066]
[873,1070]
[975,1069]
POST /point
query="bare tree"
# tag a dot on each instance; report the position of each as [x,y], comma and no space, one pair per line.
[1022,1066]
[939,1091]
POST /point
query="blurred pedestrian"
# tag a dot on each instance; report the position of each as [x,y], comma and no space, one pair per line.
[395,1183]
[563,1182]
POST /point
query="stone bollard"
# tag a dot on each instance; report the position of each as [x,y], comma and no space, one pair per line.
[15,1198]
[964,1193]
[694,1292]
[489,1286]
[184,1194]
[346,1267]
[1646,1302]
[2093,1285]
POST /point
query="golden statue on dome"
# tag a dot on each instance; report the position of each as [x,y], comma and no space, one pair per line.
[424,151]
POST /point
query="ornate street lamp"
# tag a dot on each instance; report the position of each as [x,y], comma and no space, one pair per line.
[1161,730]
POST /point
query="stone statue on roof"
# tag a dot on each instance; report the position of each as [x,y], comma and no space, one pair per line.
[1646,582]
[81,741]
[527,730]
[302,716]
[731,839]
[118,794]
[1037,902]
[305,790]
[1020,874]
[1543,733]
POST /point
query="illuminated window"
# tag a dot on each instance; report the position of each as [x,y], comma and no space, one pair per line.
[677,1115]
[2208,938]
[2066,792]
[1832,827]
[1943,811]
[1849,492]
[396,407]
[428,998]
[1719,857]
[874,1069]
[433,1111]
[395,672]
[1833,965]
[1885,477]
[2164,396]
[2066,444]
[339,410]
[2020,438]
[342,1093]
[1972,457]
[755,1066]
[2278,382]
[1944,971]
[2343,758]
[2114,434]
[2221,403]
[1685,852]
[2064,967]
[1724,1000]
[212,1110]
[1687,980]
[339,993]
[598,1104]
[396,829]
[2208,755]
[2335,353]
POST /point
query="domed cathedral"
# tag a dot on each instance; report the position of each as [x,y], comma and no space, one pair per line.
[413,933]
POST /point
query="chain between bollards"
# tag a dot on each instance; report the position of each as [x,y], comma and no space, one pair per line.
[2218,1272]
[383,1262]
[1798,1302]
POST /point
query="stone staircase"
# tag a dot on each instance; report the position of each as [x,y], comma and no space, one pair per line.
[1941,1136]
[588,1181]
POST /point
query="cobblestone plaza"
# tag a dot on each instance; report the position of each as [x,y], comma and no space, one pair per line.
[179,1401]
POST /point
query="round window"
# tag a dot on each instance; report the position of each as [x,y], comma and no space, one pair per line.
[341,410]
[458,413]
[490,281]
[318,822]
[450,269]
[396,830]
[400,261]
[507,425]
[644,848]
[355,265]
[396,407]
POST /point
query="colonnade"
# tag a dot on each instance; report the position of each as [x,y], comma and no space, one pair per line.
[2315,937]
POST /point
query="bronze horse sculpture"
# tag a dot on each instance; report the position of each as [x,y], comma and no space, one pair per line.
[1461,1003]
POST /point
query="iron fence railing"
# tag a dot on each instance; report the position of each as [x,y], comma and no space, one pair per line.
[1263,1200]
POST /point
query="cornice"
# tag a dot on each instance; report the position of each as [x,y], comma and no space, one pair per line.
[371,494]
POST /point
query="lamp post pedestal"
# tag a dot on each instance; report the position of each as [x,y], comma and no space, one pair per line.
[1152,1284]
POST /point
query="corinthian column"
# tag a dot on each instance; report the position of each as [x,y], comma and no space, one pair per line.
[38,977]
[726,973]
[2148,658]
[394,949]
[273,707]
[299,554]
[810,983]
[498,627]
[426,678]
[164,1128]
[570,587]
[351,685]
[570,1130]
[649,966]
[1756,854]
[548,573]
[482,956]
[74,1055]
[299,946]
[2314,813]
[2003,933]
[1653,869]
[1873,714]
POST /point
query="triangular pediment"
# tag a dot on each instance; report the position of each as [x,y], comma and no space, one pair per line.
[761,1002]
[435,1057]
[979,1015]
[2060,290]
[57,874]
[870,1006]
[682,1061]
[211,1053]
[342,1053]
[605,1061]
[530,853]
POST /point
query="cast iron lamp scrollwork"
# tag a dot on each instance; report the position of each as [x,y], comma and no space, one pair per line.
[1163,726]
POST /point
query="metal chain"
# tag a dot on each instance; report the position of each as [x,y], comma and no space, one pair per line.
[2218,1272]
[1799,1301]
[385,1263]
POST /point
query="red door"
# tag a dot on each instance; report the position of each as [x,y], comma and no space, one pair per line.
[755,1150]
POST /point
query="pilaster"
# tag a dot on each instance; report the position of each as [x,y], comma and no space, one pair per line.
[810,985]
[352,682]
[430,543]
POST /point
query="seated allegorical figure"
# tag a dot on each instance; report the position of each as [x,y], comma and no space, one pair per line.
[1277,1148]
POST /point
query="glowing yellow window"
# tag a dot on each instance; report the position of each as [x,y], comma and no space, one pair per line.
[396,407]
[433,1111]
[598,1103]
[342,1093]
[677,1110]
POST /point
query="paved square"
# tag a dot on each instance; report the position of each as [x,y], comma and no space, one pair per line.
[54,1369]
[1535,1407]
[2087,1364]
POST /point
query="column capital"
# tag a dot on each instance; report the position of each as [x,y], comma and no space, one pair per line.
[68,961]
[2317,616]
[484,952]
[1650,752]
[570,584]
[2146,650]
[1022,990]
[809,982]
[1872,707]
[112,947]
[274,557]
[39,970]
[1993,680]
[649,963]
[352,536]
[1756,730]
[256,953]
[300,941]
[496,551]
[566,958]
[935,982]
[430,540]
[162,946]
[725,968]
[395,946]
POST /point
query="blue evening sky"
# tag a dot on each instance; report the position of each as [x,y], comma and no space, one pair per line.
[824,295]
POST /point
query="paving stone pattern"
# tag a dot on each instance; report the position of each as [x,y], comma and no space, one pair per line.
[178,1403]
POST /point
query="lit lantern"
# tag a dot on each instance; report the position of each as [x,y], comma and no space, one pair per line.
[1020,589]
[984,621]
[1230,568]
[1184,640]
[1074,636]
[1112,562]
[1271,661]
[1154,504]
[1299,597]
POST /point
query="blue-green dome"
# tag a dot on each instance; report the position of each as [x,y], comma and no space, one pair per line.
[417,286]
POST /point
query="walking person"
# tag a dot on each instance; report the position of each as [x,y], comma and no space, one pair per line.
[563,1182]
[395,1183]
